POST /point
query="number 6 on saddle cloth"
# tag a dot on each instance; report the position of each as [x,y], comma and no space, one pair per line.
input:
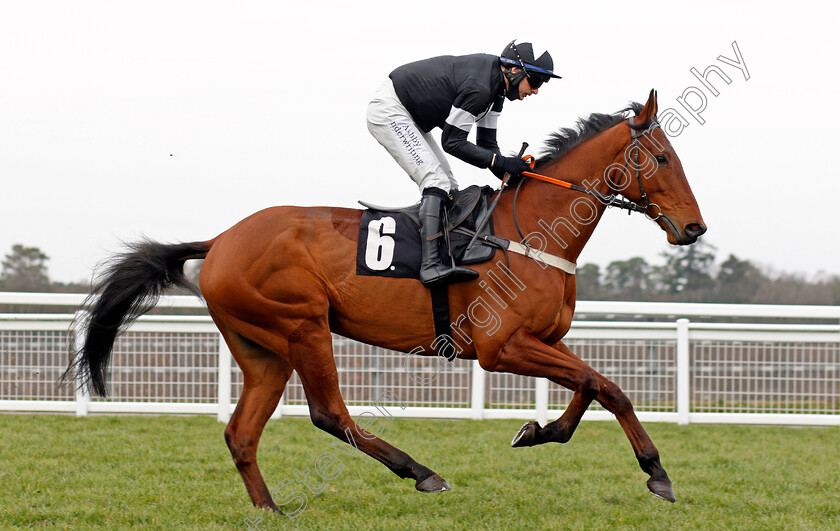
[389,238]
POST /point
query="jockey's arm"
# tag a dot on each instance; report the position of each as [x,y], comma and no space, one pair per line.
[454,141]
[457,128]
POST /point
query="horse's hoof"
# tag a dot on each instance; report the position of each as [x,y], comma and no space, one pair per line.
[662,489]
[526,435]
[433,483]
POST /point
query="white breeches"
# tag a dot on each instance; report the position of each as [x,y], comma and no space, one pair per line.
[415,151]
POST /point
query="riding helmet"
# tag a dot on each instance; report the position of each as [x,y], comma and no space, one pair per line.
[538,70]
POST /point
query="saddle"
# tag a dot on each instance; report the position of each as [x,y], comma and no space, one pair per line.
[463,213]
[389,245]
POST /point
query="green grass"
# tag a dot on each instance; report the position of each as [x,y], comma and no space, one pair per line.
[176,473]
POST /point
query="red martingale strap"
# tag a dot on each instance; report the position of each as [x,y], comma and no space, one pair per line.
[609,200]
[551,180]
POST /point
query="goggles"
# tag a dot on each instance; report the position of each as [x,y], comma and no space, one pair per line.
[535,80]
[536,76]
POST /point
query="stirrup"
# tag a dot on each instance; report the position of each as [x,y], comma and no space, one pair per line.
[443,274]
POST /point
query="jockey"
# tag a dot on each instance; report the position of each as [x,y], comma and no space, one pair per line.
[453,93]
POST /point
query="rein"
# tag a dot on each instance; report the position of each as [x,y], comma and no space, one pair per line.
[611,200]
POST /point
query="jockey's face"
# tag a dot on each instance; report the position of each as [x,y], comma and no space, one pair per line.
[525,89]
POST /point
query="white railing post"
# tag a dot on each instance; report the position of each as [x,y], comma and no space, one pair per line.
[477,399]
[542,401]
[82,388]
[223,414]
[278,411]
[82,399]
[683,372]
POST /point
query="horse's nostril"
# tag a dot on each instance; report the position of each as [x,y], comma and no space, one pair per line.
[694,229]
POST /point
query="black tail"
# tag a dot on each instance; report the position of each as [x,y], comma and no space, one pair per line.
[128,286]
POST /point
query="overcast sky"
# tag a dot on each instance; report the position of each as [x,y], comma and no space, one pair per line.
[176,119]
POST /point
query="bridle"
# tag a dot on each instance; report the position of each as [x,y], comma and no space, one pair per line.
[634,147]
[611,200]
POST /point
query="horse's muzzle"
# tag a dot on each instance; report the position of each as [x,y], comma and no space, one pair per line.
[691,232]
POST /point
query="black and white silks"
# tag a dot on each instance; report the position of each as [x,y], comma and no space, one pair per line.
[455,93]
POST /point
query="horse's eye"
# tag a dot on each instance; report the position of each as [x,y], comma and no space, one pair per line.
[662,159]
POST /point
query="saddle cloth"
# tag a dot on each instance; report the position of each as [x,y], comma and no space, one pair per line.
[389,238]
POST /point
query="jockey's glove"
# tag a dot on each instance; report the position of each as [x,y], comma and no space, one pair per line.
[512,165]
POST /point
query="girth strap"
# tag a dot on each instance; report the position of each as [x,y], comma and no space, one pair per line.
[440,314]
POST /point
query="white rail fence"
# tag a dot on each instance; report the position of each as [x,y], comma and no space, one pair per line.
[684,363]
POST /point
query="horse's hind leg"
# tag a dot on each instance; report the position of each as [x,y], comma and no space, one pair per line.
[265,375]
[310,351]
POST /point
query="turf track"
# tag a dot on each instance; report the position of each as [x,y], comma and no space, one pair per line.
[164,472]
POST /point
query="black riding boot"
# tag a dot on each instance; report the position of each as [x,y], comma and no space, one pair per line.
[432,269]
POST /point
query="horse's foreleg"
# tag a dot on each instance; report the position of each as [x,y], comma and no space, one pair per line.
[616,402]
[525,354]
[606,392]
[310,350]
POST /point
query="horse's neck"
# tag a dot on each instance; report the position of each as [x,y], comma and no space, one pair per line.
[566,218]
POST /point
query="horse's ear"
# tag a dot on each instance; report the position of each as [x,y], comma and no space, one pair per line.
[650,108]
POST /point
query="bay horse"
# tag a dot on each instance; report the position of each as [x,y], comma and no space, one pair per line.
[279,282]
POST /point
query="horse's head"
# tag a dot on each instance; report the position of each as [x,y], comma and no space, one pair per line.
[649,173]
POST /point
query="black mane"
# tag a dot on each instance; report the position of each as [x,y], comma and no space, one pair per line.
[561,142]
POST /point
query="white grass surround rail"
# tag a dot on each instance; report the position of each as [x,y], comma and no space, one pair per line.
[678,362]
